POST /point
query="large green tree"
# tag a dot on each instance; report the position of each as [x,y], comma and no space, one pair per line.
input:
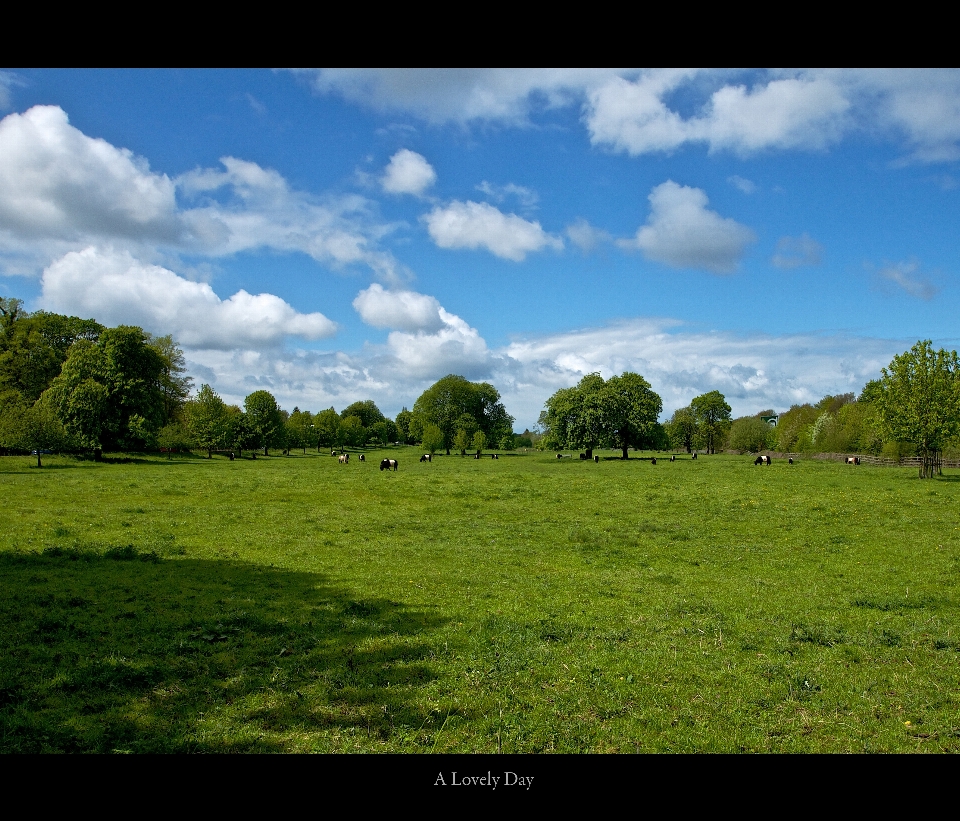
[328,428]
[264,420]
[207,420]
[574,417]
[175,383]
[366,411]
[33,348]
[712,414]
[682,429]
[630,411]
[444,402]
[109,392]
[621,411]
[919,401]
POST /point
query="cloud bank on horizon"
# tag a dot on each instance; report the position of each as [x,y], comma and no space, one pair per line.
[776,236]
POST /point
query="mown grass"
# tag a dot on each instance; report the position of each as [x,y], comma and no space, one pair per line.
[516,605]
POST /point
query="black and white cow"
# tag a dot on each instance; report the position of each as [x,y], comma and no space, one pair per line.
[363,457]
[344,458]
[853,460]
[388,464]
[426,458]
[762,460]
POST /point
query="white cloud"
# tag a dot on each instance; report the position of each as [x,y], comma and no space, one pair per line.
[57,183]
[479,225]
[585,236]
[115,288]
[752,371]
[527,197]
[630,110]
[794,252]
[798,112]
[7,80]
[907,276]
[257,209]
[402,310]
[455,348]
[61,190]
[408,173]
[682,233]
[741,184]
[459,95]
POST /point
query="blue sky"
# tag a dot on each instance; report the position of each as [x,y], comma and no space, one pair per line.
[342,235]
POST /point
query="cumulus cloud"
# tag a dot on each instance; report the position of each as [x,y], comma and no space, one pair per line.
[479,225]
[585,236]
[455,348]
[116,288]
[61,190]
[908,277]
[408,173]
[798,112]
[794,252]
[57,183]
[681,232]
[630,110]
[401,310]
[255,207]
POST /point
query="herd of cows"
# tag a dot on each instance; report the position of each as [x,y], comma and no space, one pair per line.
[391,464]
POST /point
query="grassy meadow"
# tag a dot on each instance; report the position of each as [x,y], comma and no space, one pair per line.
[519,605]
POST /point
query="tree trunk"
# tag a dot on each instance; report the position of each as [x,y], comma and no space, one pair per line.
[589,453]
[624,448]
[38,458]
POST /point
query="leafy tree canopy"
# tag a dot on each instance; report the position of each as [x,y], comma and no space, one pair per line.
[919,401]
[446,401]
[367,412]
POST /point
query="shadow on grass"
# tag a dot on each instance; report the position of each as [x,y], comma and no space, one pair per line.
[125,651]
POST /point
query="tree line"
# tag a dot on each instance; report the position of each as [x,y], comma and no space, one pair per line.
[912,408]
[73,385]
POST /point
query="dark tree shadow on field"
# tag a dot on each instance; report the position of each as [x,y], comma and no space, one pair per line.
[128,651]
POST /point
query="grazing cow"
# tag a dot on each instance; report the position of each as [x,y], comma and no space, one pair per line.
[762,460]
[387,464]
[231,455]
[694,454]
[559,455]
[790,460]
[363,457]
[426,458]
[673,458]
[344,458]
[476,456]
[596,459]
[853,460]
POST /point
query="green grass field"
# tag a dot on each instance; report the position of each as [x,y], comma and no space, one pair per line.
[516,605]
